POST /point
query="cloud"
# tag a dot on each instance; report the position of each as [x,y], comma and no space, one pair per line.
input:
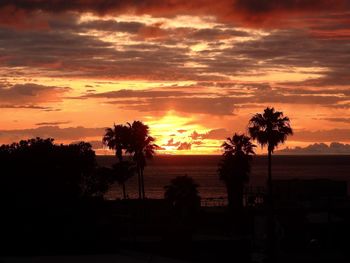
[198,105]
[322,135]
[334,119]
[179,145]
[184,146]
[72,54]
[53,123]
[225,101]
[318,148]
[31,94]
[80,49]
[215,134]
[172,143]
[127,93]
[251,12]
[30,107]
[70,133]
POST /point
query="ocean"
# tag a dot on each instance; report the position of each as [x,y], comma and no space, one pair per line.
[203,169]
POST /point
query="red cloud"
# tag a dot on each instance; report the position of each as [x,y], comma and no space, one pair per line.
[184,146]
[248,12]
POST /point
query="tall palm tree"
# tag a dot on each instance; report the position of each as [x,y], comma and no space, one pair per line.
[142,147]
[235,166]
[270,129]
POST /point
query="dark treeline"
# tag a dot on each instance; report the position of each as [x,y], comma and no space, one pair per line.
[38,168]
[47,193]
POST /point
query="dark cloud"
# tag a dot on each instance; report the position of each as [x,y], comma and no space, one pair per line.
[30,107]
[54,123]
[127,93]
[210,34]
[318,148]
[252,12]
[299,50]
[250,96]
[212,106]
[70,133]
[335,119]
[322,135]
[31,93]
[69,54]
[111,25]
[71,51]
[269,6]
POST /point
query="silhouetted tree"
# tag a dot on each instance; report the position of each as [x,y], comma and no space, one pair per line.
[96,184]
[270,129]
[235,166]
[41,171]
[142,147]
[49,190]
[117,138]
[182,193]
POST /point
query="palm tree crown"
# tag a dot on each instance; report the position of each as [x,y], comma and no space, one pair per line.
[270,128]
[238,145]
[141,143]
[117,138]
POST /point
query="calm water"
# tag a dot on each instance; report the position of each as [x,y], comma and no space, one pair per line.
[203,169]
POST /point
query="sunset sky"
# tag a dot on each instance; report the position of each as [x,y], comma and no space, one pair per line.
[194,71]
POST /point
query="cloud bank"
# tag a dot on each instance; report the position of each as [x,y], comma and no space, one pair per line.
[318,148]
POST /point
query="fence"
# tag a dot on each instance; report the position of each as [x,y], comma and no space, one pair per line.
[252,196]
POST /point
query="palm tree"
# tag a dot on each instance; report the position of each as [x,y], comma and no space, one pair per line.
[117,138]
[235,166]
[142,147]
[270,129]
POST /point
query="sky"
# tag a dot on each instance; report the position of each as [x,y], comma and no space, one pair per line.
[194,71]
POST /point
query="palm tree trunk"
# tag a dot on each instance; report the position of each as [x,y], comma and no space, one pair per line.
[270,216]
[139,181]
[124,191]
[269,178]
[142,184]
[230,197]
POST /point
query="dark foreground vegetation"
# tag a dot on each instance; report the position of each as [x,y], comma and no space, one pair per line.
[52,203]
